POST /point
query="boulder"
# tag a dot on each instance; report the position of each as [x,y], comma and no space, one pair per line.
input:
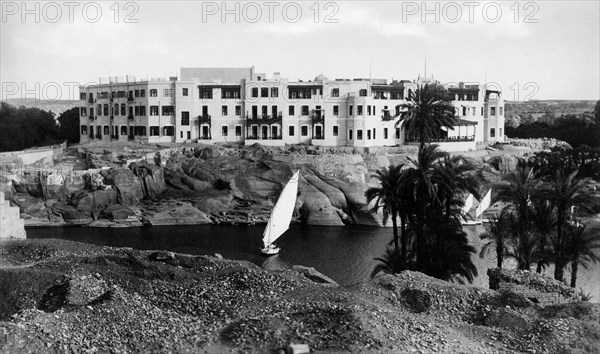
[128,186]
[118,212]
[312,274]
[316,208]
[73,216]
[90,201]
[152,180]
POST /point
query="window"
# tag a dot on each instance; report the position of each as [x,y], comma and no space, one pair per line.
[493,111]
[153,110]
[106,131]
[464,111]
[291,110]
[142,93]
[255,92]
[238,110]
[359,110]
[500,133]
[168,92]
[350,110]
[224,130]
[184,91]
[238,130]
[304,110]
[123,109]
[205,92]
[139,130]
[336,110]
[397,133]
[474,111]
[168,110]
[274,91]
[362,93]
[83,111]
[185,118]
[181,134]
[304,130]
[105,109]
[368,134]
[264,92]
[359,134]
[481,110]
[385,133]
[153,92]
[336,130]
[350,134]
[492,132]
[169,131]
[501,108]
[116,109]
[83,129]
[291,130]
[224,110]
[154,130]
[142,110]
[82,95]
[369,110]
[335,92]
[121,94]
[137,93]
[137,110]
[374,133]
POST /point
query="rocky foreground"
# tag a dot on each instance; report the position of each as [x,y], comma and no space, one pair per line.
[61,296]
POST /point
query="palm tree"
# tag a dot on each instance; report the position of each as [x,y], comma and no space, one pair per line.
[580,247]
[428,109]
[498,236]
[387,197]
[566,193]
[422,184]
[462,173]
[450,256]
[388,263]
[544,219]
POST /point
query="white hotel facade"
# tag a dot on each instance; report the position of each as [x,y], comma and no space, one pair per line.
[220,105]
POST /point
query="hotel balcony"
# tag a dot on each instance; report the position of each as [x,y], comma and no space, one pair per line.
[318,118]
[204,118]
[264,119]
[387,117]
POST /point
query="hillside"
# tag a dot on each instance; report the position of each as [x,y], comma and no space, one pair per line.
[529,111]
[62,296]
[56,107]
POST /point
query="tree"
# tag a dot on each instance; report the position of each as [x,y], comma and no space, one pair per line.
[422,183]
[566,193]
[388,263]
[518,193]
[597,112]
[387,196]
[580,248]
[498,236]
[69,125]
[22,128]
[544,220]
[461,172]
[428,109]
[450,255]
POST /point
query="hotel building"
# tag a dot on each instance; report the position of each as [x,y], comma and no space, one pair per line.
[220,105]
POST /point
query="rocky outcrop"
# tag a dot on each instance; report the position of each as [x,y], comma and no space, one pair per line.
[174,213]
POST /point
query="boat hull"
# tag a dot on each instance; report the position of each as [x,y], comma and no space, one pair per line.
[270,251]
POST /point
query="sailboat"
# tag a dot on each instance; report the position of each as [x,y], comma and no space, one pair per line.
[281,216]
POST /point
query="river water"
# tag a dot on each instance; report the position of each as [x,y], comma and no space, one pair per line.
[343,253]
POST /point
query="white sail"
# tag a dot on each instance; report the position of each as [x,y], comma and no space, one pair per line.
[485,203]
[468,204]
[281,216]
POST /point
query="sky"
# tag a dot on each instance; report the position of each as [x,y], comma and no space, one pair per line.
[529,49]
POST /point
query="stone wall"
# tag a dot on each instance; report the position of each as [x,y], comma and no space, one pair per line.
[538,288]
